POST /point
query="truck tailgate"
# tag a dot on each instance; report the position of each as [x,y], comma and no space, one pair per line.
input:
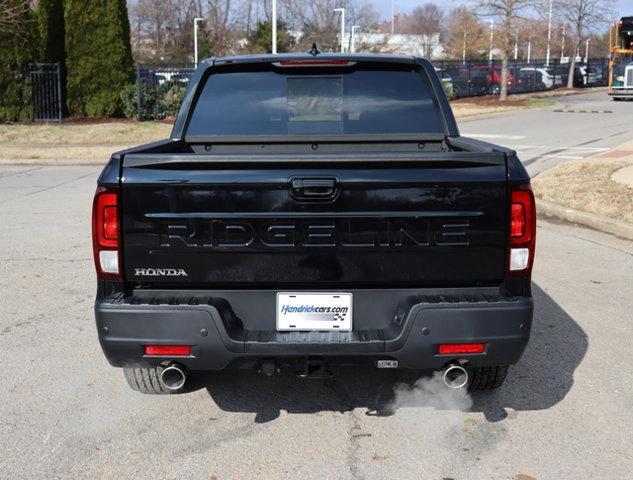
[315,224]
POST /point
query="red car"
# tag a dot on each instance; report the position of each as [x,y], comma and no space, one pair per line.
[493,77]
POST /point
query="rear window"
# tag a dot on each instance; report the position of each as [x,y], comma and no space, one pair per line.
[319,102]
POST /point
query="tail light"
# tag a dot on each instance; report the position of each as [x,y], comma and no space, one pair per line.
[521,229]
[106,233]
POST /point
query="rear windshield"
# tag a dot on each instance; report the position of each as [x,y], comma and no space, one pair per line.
[319,102]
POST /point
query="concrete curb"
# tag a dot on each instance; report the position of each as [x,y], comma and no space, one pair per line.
[597,222]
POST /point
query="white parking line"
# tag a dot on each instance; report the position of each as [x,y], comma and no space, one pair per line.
[493,135]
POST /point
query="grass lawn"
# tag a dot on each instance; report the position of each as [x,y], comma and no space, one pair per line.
[587,185]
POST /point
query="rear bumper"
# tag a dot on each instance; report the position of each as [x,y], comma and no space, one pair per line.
[621,92]
[418,324]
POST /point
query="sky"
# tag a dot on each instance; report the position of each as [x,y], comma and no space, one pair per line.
[622,7]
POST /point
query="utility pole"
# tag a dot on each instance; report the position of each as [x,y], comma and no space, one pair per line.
[549,33]
[342,12]
[195,40]
[492,25]
[464,48]
[274,35]
[353,46]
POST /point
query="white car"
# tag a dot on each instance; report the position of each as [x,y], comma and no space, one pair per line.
[547,76]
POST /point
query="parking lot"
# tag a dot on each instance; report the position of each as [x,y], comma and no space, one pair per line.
[565,411]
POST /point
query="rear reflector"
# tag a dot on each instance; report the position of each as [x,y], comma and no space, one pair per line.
[168,350]
[458,348]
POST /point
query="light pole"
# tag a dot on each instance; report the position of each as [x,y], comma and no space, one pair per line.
[464,48]
[393,21]
[587,52]
[353,46]
[562,46]
[492,25]
[274,35]
[195,40]
[549,32]
[516,44]
[529,52]
[342,12]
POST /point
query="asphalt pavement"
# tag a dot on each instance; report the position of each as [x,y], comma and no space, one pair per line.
[564,413]
[575,127]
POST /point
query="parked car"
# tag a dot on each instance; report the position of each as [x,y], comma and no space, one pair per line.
[590,77]
[547,76]
[312,212]
[465,82]
[493,77]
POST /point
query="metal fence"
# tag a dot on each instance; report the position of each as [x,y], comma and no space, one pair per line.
[46,92]
[157,87]
[484,78]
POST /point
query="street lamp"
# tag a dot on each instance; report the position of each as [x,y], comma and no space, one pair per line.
[549,33]
[492,25]
[529,52]
[274,19]
[354,27]
[342,12]
[195,40]
[393,21]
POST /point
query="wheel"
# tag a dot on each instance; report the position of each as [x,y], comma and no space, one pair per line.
[494,89]
[486,378]
[617,99]
[147,380]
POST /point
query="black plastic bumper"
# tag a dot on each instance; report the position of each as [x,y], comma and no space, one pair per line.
[419,321]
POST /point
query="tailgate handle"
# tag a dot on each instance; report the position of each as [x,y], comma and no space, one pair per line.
[313,188]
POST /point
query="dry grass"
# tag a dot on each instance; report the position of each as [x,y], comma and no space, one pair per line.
[118,133]
[74,143]
[587,185]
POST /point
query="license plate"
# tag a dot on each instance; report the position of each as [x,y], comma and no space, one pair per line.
[314,311]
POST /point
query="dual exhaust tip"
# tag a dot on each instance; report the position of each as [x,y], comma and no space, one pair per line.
[173,377]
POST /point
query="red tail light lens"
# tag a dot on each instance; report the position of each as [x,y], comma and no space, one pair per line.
[521,229]
[105,232]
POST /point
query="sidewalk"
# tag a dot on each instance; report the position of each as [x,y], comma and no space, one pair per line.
[596,191]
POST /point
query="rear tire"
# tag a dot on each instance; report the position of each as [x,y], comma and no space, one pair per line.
[147,380]
[486,378]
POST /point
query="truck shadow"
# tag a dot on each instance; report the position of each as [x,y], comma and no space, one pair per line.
[542,378]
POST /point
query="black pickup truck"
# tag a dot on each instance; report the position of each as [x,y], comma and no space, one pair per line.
[314,211]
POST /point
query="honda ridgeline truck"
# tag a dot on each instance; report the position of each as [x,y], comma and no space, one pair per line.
[314,210]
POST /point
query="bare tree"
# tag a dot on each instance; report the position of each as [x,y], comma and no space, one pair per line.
[425,20]
[11,13]
[465,34]
[507,13]
[584,16]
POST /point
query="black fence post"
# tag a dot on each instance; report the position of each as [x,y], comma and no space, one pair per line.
[59,92]
[138,93]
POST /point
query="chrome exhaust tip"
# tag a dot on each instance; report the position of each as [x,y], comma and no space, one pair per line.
[455,376]
[173,377]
